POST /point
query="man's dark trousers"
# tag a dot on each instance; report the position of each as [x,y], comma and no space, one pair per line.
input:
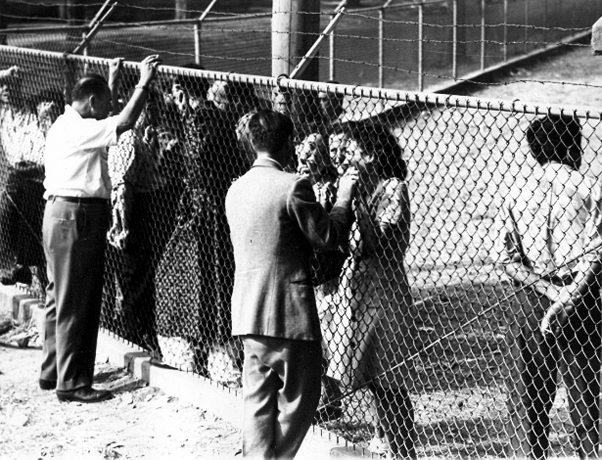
[281,390]
[533,375]
[74,235]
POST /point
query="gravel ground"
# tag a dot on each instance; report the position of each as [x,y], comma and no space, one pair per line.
[140,422]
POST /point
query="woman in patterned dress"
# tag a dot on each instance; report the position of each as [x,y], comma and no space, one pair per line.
[373,334]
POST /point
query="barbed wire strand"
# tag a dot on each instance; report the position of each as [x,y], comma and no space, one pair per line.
[396,22]
[351,61]
[227,30]
[468,80]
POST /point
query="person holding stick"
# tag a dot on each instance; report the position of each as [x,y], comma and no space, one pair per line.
[547,223]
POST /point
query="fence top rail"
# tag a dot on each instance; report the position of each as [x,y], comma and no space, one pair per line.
[442,100]
[393,96]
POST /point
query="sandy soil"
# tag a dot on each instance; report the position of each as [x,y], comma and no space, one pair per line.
[140,422]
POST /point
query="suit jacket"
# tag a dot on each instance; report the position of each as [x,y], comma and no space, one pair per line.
[275,223]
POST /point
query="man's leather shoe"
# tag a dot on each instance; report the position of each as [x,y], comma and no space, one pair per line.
[47,384]
[84,395]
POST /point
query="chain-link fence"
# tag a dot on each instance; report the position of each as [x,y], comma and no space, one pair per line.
[423,331]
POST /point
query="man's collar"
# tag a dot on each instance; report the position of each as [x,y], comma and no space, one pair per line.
[70,111]
[268,162]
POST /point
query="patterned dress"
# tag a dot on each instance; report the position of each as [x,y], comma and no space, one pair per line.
[371,331]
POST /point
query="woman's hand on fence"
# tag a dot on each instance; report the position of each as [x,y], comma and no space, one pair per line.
[12,72]
[554,319]
[347,184]
[148,69]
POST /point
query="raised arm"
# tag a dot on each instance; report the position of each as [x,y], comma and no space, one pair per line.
[11,72]
[323,230]
[130,113]
[115,67]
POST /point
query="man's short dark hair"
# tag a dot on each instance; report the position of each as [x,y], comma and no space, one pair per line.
[269,130]
[556,138]
[90,84]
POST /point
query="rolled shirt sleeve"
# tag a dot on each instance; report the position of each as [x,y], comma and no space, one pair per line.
[76,155]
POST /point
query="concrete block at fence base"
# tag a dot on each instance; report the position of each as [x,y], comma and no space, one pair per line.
[27,307]
[597,37]
[10,300]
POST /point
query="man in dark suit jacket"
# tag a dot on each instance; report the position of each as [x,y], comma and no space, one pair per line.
[275,223]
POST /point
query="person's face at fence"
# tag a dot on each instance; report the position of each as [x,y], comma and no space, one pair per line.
[9,91]
[346,152]
[312,155]
[280,102]
[195,102]
[4,93]
[330,104]
[219,95]
[151,113]
[180,97]
[337,149]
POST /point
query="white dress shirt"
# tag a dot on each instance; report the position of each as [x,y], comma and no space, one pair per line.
[76,156]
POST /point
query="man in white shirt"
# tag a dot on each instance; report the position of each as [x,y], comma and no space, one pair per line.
[76,220]
[547,223]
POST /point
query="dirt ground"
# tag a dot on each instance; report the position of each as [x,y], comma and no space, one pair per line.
[142,422]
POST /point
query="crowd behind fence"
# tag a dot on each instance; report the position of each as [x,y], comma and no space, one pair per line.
[430,273]
[409,45]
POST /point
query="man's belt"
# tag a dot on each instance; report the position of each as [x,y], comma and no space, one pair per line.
[79,199]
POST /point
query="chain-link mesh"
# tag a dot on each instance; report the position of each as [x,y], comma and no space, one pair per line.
[428,343]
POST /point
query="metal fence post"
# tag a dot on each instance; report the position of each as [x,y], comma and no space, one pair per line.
[331,44]
[420,47]
[97,22]
[381,47]
[526,34]
[505,46]
[197,32]
[197,42]
[545,20]
[87,42]
[482,34]
[455,39]
[326,33]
